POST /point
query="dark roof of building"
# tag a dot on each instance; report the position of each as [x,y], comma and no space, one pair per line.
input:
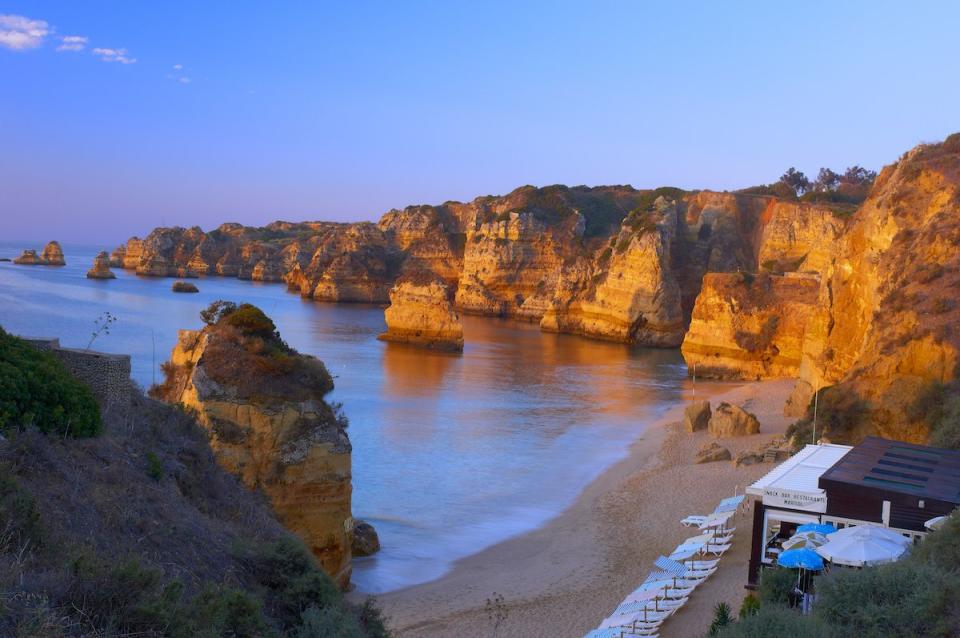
[895,466]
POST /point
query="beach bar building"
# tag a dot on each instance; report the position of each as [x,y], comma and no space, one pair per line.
[890,483]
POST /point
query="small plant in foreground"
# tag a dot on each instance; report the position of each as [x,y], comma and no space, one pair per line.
[497,611]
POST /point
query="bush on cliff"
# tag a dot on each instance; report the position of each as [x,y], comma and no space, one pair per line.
[248,354]
[36,390]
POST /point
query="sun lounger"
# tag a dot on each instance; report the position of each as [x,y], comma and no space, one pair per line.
[660,604]
[692,520]
[701,565]
[717,550]
[643,618]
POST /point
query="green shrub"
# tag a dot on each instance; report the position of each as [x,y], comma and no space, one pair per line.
[251,321]
[777,585]
[902,599]
[154,466]
[776,621]
[37,390]
[945,432]
[19,518]
[750,606]
[721,618]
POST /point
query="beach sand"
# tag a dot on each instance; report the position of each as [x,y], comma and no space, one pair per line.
[562,579]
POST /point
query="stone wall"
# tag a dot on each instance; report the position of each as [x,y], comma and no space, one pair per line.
[108,375]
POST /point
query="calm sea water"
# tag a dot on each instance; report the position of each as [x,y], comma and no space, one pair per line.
[451,453]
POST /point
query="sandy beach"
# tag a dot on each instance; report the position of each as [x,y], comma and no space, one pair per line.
[562,579]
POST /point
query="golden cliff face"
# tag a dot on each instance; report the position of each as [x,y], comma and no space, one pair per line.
[511,263]
[797,237]
[629,292]
[272,434]
[887,314]
[748,326]
[421,313]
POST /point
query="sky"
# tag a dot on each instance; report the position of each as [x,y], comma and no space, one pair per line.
[117,116]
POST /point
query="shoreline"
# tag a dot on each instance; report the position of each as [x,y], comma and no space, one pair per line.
[564,577]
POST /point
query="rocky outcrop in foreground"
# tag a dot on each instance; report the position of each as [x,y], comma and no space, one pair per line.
[52,255]
[262,406]
[101,267]
[421,313]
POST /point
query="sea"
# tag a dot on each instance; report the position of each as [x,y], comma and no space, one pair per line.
[452,453]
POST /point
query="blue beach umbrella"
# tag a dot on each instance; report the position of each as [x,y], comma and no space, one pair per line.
[820,528]
[803,557]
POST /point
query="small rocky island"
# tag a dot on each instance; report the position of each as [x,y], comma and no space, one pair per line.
[101,267]
[184,286]
[52,255]
[421,313]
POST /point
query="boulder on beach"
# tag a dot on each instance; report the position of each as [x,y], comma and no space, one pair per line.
[184,286]
[101,267]
[711,452]
[364,537]
[730,420]
[748,457]
[697,416]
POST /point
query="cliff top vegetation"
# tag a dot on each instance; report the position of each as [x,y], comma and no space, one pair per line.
[140,532]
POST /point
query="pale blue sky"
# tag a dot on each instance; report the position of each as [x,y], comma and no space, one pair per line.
[342,111]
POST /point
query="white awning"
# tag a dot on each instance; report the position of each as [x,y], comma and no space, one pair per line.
[794,484]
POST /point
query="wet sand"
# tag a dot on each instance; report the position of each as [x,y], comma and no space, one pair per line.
[562,579]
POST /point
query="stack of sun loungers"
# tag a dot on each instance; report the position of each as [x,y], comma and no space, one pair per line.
[668,587]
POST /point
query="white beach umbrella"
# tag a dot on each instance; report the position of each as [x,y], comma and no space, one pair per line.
[863,545]
[935,523]
[804,539]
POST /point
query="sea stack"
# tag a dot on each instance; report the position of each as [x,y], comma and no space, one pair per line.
[28,257]
[262,404]
[184,286]
[53,255]
[421,313]
[101,267]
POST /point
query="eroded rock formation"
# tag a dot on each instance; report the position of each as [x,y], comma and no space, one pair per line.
[101,267]
[263,408]
[52,255]
[630,292]
[421,313]
[731,420]
[747,326]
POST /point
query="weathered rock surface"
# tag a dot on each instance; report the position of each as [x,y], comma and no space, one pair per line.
[730,420]
[364,538]
[184,286]
[748,326]
[421,313]
[52,255]
[712,452]
[28,257]
[101,267]
[696,416]
[629,293]
[262,406]
[747,457]
[885,329]
[796,237]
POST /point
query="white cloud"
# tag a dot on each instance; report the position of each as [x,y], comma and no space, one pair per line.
[114,55]
[177,67]
[184,80]
[19,32]
[73,43]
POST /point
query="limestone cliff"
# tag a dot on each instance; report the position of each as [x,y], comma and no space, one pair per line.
[262,406]
[747,326]
[796,237]
[101,267]
[629,292]
[421,313]
[887,312]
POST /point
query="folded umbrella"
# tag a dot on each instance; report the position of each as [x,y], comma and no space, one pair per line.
[819,528]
